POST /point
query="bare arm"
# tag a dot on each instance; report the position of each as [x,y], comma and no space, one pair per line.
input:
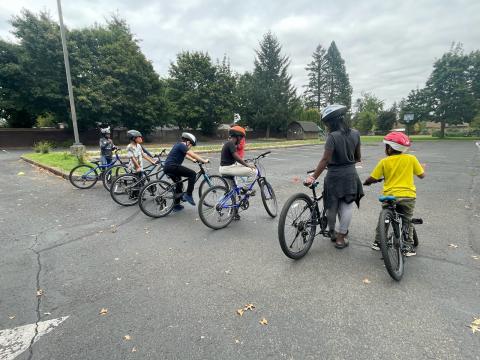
[358,153]
[241,161]
[194,156]
[327,156]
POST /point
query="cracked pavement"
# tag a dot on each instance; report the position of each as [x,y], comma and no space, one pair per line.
[174,286]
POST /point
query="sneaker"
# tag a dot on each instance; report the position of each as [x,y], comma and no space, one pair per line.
[178,207]
[409,250]
[375,246]
[189,199]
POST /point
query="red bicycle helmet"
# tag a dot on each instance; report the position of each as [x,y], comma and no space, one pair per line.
[397,140]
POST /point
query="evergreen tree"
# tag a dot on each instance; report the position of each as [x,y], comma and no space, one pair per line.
[338,88]
[315,94]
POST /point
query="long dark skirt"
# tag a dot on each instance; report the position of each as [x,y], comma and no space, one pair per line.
[343,183]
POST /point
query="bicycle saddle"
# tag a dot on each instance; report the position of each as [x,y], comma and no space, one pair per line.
[386,198]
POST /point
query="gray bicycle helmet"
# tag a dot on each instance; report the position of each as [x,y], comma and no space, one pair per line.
[333,111]
[132,134]
[190,137]
[105,130]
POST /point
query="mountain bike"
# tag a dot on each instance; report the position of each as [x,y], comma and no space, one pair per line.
[393,227]
[220,204]
[157,198]
[116,171]
[85,176]
[297,225]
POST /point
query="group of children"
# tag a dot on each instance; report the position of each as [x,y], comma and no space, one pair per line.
[397,170]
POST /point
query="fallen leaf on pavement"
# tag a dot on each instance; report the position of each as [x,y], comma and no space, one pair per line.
[249,307]
[11,317]
[103,311]
[116,259]
[47,313]
[119,279]
[39,292]
[127,337]
[366,281]
[475,257]
[21,173]
[134,349]
[237,341]
[264,321]
[240,312]
[452,246]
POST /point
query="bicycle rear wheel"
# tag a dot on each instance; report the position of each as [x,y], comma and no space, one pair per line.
[211,181]
[216,207]
[415,236]
[390,244]
[83,176]
[157,199]
[268,198]
[125,189]
[297,226]
[113,173]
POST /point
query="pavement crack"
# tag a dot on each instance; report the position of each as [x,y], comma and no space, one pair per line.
[39,298]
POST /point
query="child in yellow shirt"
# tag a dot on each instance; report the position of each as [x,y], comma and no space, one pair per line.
[398,170]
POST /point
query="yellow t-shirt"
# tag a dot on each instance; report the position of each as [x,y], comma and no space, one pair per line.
[398,172]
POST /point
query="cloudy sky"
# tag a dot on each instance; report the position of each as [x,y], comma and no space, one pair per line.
[388,46]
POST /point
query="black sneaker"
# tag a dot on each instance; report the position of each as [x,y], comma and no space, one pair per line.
[375,246]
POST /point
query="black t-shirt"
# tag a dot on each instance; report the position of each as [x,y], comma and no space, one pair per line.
[343,146]
[228,150]
[177,154]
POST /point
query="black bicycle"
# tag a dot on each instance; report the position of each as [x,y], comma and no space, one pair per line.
[297,226]
[393,228]
[157,198]
[116,171]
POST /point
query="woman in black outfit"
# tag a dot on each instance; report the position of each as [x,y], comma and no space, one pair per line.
[342,186]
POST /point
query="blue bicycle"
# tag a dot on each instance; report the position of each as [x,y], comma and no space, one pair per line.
[85,176]
[219,205]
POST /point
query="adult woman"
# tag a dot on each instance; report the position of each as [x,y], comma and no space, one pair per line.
[342,186]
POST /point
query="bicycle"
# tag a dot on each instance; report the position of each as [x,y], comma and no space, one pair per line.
[85,176]
[118,170]
[393,228]
[157,198]
[297,225]
[223,203]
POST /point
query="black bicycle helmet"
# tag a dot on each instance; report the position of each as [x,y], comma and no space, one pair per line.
[132,134]
[332,112]
[190,137]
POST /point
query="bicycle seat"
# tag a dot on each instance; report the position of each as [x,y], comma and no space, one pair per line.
[387,198]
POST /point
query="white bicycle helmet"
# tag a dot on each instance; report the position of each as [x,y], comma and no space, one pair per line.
[333,111]
[190,137]
[105,131]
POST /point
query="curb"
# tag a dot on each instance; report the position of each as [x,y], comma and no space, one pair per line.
[45,167]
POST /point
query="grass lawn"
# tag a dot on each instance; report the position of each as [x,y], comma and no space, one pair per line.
[65,162]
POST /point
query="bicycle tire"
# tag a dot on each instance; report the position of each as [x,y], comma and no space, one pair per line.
[415,236]
[266,191]
[160,192]
[389,244]
[211,206]
[78,179]
[112,173]
[307,237]
[125,189]
[215,180]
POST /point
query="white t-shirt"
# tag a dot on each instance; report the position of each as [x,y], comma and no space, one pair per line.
[135,151]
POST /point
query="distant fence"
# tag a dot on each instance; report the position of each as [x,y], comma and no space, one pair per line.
[22,138]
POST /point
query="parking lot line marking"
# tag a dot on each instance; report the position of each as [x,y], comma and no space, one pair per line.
[15,341]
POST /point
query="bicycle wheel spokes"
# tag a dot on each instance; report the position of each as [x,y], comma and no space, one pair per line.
[390,245]
[157,199]
[111,174]
[216,207]
[296,227]
[83,176]
[268,198]
[125,190]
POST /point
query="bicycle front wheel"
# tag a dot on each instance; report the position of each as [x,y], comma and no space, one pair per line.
[390,244]
[111,174]
[211,181]
[268,198]
[125,189]
[216,207]
[297,226]
[157,199]
[83,176]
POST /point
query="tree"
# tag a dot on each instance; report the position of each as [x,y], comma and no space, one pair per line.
[418,104]
[474,76]
[315,94]
[450,95]
[273,99]
[386,120]
[365,120]
[338,88]
[367,109]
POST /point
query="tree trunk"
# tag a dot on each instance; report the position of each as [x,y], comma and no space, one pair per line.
[267,135]
[442,129]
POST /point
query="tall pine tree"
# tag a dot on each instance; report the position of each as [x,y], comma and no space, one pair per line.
[315,94]
[338,88]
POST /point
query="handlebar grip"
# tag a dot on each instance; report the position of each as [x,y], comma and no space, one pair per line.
[310,171]
[264,154]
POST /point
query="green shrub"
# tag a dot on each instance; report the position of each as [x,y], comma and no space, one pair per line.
[45,120]
[43,147]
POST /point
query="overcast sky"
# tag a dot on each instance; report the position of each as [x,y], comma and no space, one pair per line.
[388,46]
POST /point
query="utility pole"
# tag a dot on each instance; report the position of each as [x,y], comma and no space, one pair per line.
[77,148]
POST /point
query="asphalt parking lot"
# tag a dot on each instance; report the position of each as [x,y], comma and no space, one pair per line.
[171,287]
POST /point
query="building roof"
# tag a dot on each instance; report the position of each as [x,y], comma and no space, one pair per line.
[307,126]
